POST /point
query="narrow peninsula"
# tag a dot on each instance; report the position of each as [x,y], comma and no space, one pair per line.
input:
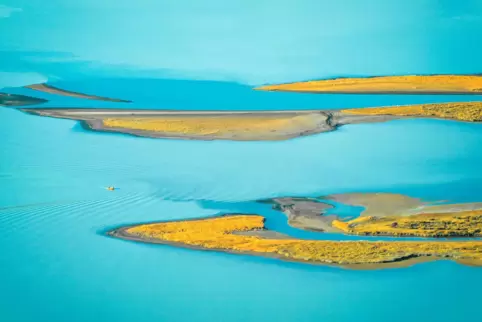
[409,84]
[234,234]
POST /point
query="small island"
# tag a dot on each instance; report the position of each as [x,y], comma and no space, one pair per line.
[405,84]
[246,234]
[250,125]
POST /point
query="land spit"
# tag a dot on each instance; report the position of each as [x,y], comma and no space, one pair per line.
[211,125]
[251,125]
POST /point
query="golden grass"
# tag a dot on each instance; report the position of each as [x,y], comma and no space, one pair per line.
[460,224]
[464,111]
[387,84]
[216,125]
[216,233]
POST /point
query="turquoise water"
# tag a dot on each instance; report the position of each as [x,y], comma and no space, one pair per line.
[57,265]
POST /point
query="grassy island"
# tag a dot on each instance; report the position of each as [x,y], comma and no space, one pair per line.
[231,233]
[410,84]
[458,224]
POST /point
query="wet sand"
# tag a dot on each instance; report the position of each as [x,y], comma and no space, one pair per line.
[305,213]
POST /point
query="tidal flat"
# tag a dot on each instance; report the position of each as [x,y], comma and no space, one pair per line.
[383,214]
[250,126]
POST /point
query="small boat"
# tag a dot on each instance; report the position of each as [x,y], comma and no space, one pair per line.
[111,188]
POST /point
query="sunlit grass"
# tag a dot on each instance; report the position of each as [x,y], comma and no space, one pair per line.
[387,84]
[461,224]
[464,111]
[217,233]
